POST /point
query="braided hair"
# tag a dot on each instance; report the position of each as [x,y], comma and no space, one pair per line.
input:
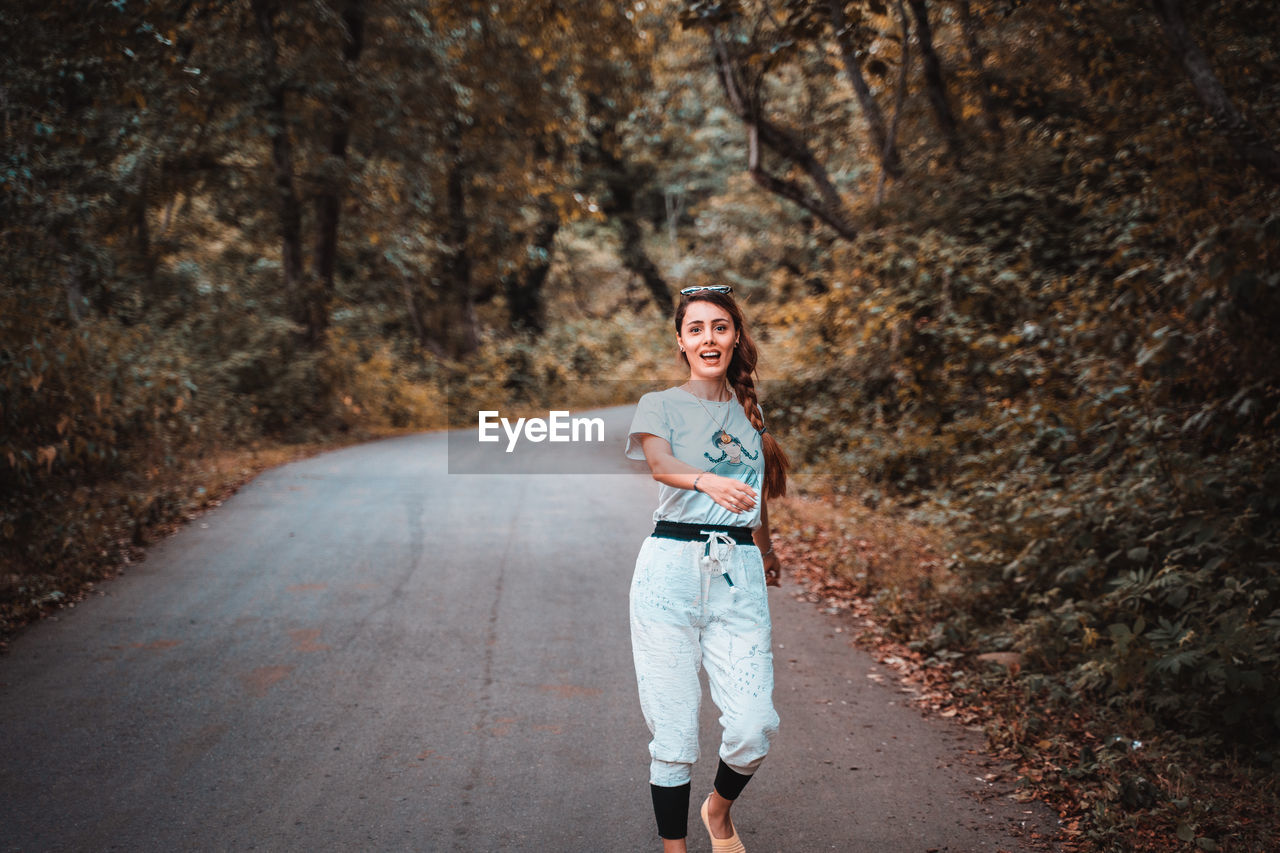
[741,377]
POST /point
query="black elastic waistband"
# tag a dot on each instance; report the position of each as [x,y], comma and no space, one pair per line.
[691,532]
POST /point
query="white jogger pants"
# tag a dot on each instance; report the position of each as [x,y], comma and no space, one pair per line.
[686,614]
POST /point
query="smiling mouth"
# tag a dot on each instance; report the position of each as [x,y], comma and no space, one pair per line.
[712,356]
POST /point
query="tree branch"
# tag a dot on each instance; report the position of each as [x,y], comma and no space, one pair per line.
[935,84]
[829,207]
[978,59]
[884,145]
[900,96]
[1248,141]
[834,218]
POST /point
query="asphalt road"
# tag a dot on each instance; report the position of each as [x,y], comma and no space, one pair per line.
[361,651]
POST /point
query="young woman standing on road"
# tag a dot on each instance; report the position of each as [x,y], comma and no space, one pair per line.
[698,596]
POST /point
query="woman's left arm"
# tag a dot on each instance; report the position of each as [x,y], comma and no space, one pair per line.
[764,541]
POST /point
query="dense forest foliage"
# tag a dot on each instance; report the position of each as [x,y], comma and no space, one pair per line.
[1015,269]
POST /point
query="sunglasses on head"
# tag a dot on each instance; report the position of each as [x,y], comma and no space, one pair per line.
[713,288]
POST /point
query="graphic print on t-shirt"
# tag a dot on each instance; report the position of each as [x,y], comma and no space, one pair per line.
[728,461]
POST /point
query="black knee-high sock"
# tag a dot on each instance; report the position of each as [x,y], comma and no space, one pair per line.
[729,782]
[671,808]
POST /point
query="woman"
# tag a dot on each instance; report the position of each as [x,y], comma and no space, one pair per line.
[698,596]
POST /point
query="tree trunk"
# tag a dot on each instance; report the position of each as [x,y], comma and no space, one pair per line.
[1249,143]
[288,208]
[329,199]
[621,205]
[673,204]
[141,225]
[934,82]
[76,302]
[978,59]
[886,150]
[636,259]
[413,308]
[526,306]
[456,327]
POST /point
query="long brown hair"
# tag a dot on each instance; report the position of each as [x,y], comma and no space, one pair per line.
[741,376]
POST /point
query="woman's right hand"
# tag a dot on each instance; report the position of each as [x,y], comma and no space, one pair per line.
[732,494]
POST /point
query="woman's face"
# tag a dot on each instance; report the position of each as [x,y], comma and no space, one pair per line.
[708,337]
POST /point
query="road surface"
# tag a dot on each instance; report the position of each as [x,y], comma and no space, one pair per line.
[361,651]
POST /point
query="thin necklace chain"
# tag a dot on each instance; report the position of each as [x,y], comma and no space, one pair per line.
[723,420]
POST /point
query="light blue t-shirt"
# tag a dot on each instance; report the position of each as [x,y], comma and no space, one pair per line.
[692,428]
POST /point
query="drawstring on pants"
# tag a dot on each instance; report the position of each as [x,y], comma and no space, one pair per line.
[720,539]
[711,557]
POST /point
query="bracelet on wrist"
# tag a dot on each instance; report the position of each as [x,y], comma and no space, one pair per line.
[767,553]
[695,482]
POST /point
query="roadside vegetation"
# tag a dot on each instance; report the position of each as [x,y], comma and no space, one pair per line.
[1015,268]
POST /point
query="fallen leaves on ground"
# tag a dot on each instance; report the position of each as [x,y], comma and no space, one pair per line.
[1110,792]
